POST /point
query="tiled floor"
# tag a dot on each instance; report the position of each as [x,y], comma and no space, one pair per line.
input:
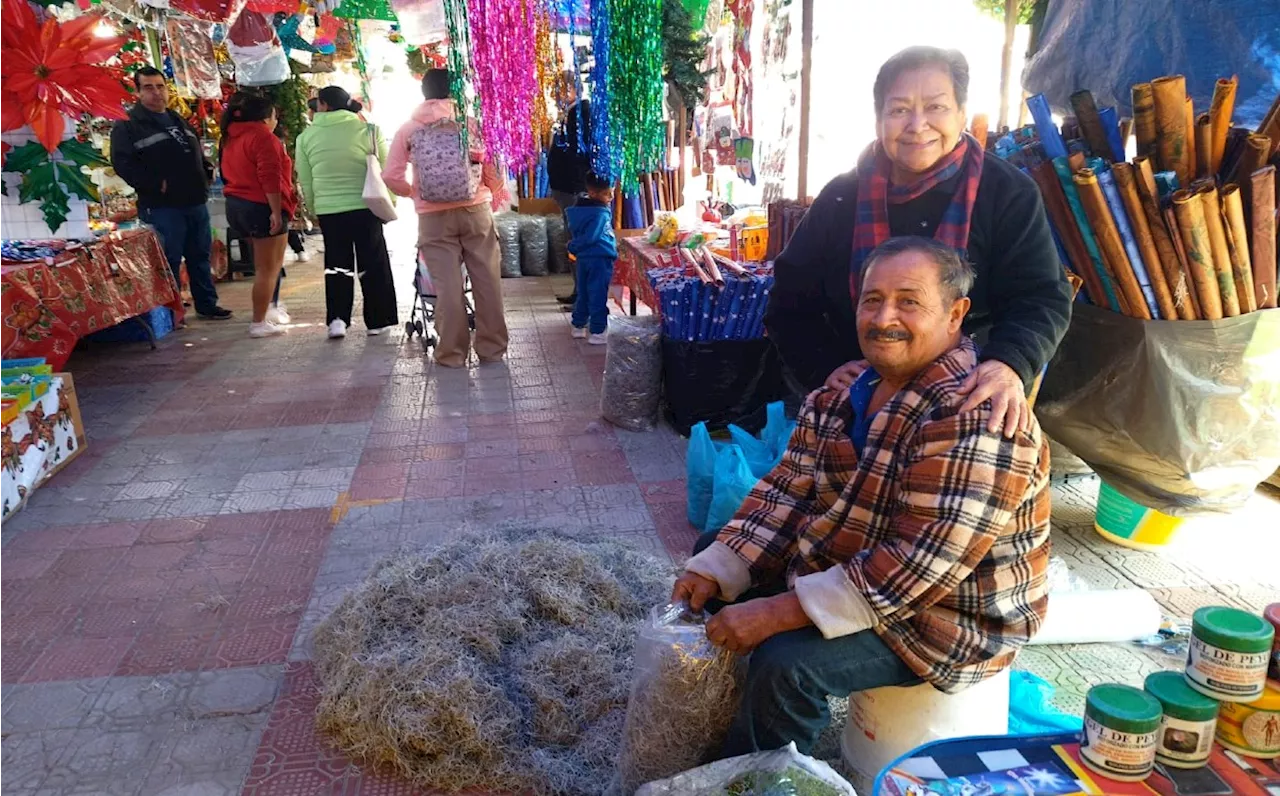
[159,594]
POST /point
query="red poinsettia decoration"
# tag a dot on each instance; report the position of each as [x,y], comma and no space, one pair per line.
[54,68]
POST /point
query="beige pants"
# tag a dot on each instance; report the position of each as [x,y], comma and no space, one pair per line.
[447,240]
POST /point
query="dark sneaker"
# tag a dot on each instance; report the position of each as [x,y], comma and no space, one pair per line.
[217,314]
[567,299]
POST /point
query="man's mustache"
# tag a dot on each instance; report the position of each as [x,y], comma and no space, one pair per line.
[888,335]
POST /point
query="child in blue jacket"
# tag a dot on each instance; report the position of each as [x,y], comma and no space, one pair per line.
[592,242]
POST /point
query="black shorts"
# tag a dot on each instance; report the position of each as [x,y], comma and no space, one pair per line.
[252,219]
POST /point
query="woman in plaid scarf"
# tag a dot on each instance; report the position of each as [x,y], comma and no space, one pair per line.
[900,539]
[925,176]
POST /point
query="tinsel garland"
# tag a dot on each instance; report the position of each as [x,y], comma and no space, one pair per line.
[503,57]
[635,85]
[547,56]
[455,15]
[604,161]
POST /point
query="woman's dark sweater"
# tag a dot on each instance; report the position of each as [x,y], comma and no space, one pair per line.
[1021,298]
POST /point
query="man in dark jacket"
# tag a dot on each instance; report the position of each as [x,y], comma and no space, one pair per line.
[159,155]
[567,160]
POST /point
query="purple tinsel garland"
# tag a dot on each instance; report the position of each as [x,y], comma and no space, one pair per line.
[504,60]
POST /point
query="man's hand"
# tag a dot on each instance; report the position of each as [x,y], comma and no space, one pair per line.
[277,224]
[842,378]
[743,627]
[997,381]
[695,590]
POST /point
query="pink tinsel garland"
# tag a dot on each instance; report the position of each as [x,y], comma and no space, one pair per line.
[504,59]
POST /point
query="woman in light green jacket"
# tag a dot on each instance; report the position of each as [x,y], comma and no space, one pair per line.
[331,161]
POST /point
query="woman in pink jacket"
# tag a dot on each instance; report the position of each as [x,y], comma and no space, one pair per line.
[451,233]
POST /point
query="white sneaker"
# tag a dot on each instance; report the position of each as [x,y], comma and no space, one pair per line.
[265,329]
[578,334]
[278,314]
[374,332]
[301,257]
[597,339]
[337,329]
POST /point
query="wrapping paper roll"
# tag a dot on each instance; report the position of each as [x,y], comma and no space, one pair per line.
[1126,186]
[1263,249]
[1111,127]
[1192,157]
[1166,241]
[1173,138]
[1090,124]
[1208,196]
[1050,136]
[1126,130]
[1220,110]
[1252,157]
[1204,146]
[1063,170]
[1110,244]
[1270,126]
[1116,206]
[1144,118]
[1238,241]
[1195,241]
[1184,262]
[1097,617]
[1055,202]
[978,128]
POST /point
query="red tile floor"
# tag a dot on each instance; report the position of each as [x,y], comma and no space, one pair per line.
[160,593]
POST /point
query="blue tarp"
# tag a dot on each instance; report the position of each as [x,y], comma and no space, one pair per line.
[1108,45]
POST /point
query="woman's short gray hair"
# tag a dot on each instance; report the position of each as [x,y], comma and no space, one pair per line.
[955,275]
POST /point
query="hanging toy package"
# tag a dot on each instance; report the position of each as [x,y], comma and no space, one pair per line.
[256,51]
[684,694]
[744,150]
[721,131]
[195,65]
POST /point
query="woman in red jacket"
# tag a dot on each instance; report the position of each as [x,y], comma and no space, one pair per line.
[258,182]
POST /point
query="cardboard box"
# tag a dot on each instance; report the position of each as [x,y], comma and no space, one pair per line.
[539,207]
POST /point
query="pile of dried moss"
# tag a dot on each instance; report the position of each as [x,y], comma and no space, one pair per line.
[500,662]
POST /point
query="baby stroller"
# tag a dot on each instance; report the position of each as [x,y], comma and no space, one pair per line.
[423,318]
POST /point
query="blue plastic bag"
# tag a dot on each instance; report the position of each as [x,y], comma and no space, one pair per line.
[700,474]
[1031,708]
[733,482]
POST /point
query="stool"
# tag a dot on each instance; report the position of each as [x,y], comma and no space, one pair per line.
[886,723]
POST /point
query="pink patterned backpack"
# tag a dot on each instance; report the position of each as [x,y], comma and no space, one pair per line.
[441,170]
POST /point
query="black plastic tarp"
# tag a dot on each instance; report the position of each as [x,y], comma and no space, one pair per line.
[1108,45]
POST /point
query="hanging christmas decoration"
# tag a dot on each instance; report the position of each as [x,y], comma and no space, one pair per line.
[52,179]
[365,9]
[603,154]
[326,34]
[547,56]
[54,68]
[503,50]
[635,87]
[455,14]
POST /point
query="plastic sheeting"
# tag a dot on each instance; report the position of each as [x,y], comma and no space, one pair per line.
[533,245]
[1179,416]
[1106,46]
[719,382]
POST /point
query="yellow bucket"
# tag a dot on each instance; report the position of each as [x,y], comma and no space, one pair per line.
[1120,520]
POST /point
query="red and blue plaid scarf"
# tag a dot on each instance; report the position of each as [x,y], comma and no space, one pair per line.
[875,194]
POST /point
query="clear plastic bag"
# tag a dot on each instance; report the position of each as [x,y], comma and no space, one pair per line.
[782,772]
[533,245]
[558,238]
[195,66]
[632,384]
[508,227]
[683,697]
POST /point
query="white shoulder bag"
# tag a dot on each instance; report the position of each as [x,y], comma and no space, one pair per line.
[376,196]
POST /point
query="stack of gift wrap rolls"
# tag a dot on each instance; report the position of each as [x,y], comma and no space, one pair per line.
[1228,693]
[704,297]
[1187,230]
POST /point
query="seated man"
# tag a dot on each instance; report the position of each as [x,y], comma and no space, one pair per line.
[899,538]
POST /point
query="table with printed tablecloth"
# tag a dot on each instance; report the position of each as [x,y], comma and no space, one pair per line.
[636,256]
[76,289]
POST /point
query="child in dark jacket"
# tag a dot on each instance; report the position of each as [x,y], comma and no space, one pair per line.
[592,242]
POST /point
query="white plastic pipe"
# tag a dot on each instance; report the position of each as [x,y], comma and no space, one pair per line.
[1095,617]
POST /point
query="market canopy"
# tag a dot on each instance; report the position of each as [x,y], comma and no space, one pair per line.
[1106,47]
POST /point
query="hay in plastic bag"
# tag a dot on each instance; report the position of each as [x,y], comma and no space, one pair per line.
[500,663]
[684,696]
[782,772]
[632,385]
[508,227]
[558,238]
[533,245]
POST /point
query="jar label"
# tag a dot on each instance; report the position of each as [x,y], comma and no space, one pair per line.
[1249,728]
[1235,674]
[1126,753]
[1188,741]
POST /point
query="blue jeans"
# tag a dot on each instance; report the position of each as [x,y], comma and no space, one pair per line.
[594,276]
[185,232]
[790,676]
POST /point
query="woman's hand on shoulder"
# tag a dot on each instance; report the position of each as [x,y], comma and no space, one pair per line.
[995,381]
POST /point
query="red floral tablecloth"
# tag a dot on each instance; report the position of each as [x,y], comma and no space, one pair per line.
[48,307]
[635,257]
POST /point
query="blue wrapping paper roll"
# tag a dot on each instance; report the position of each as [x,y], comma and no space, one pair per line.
[1111,126]
[1050,136]
[705,310]
[1108,182]
[694,311]
[1063,170]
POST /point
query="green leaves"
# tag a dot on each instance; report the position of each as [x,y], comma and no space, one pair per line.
[53,180]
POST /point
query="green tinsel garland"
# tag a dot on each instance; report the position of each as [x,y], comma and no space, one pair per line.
[636,86]
[455,14]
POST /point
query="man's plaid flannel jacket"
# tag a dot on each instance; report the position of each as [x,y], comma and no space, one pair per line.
[936,537]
